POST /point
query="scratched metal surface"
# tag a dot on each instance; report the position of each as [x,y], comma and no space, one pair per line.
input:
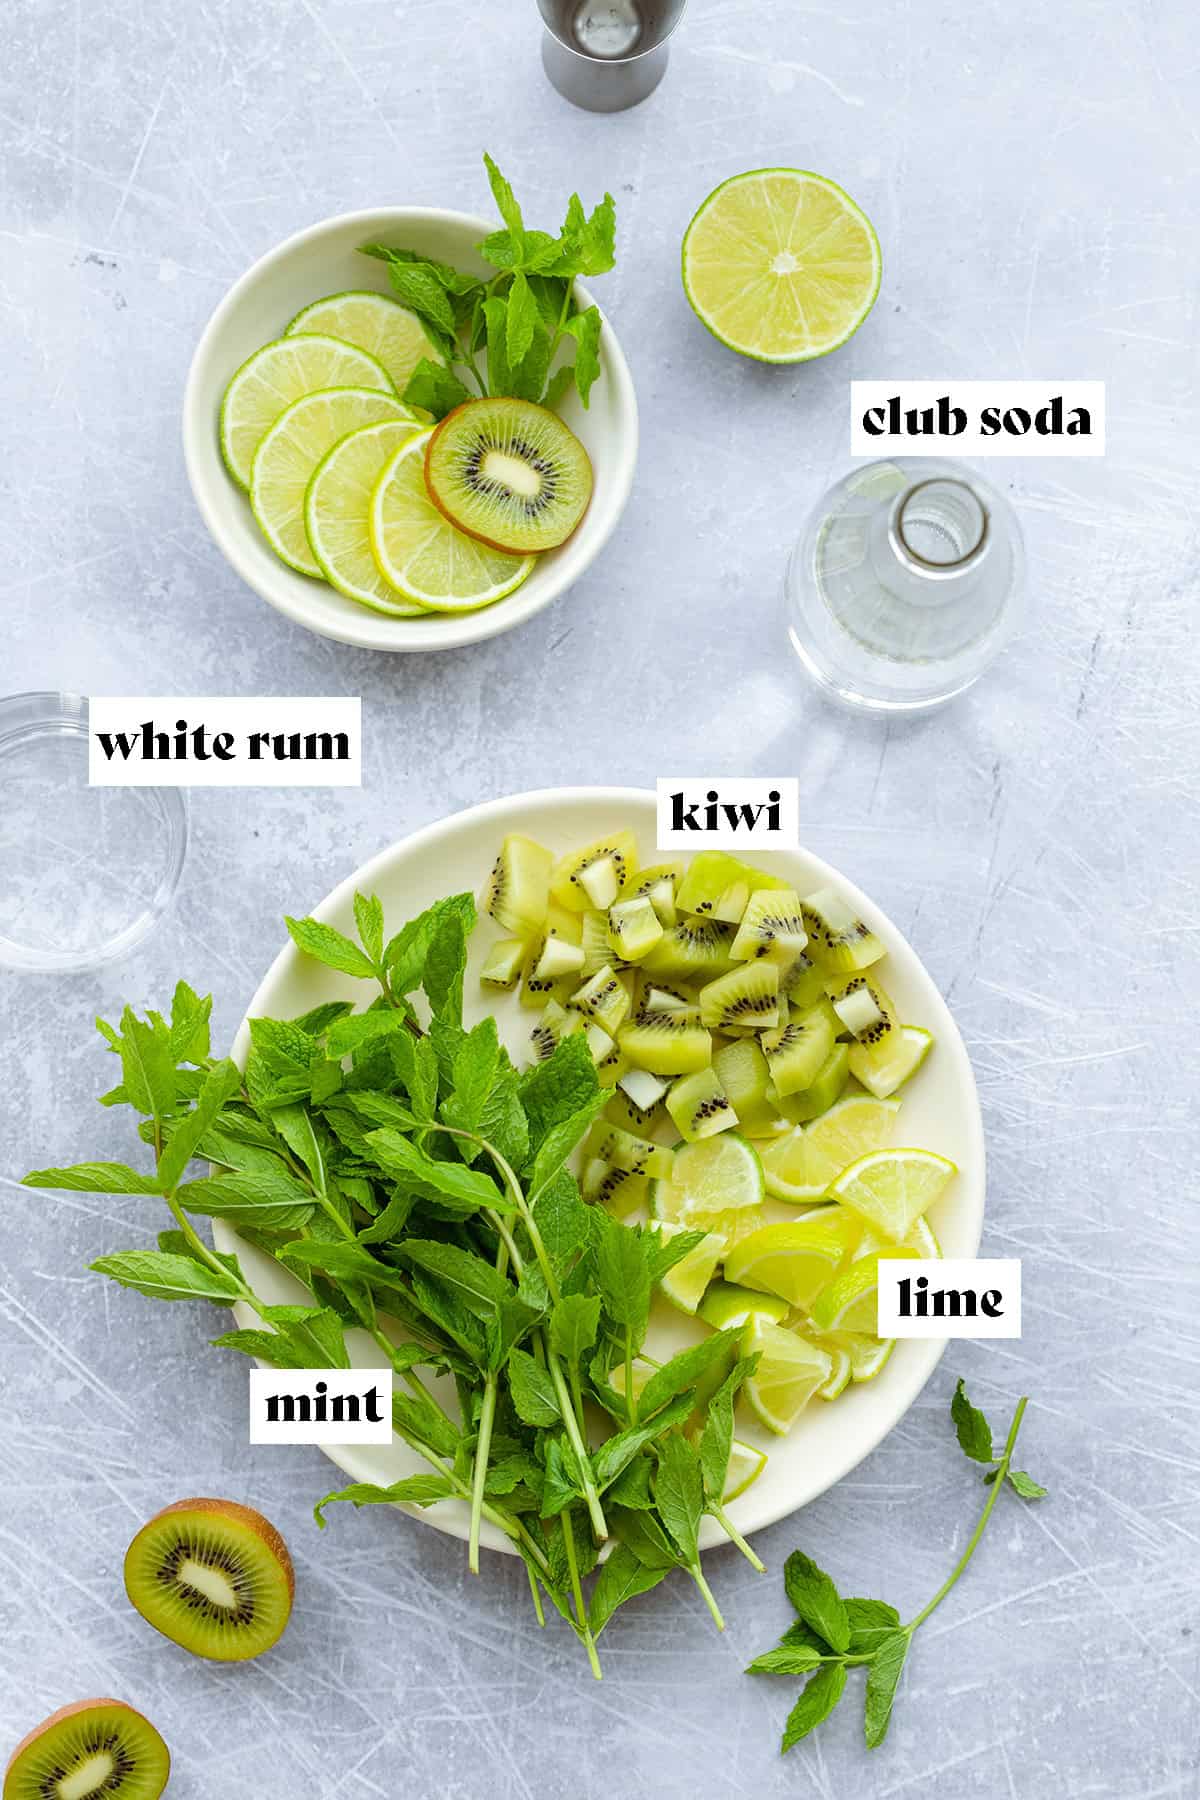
[1033,173]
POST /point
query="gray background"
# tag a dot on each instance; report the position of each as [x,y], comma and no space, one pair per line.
[1032,172]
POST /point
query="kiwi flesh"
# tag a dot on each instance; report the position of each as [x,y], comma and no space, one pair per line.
[796,1051]
[674,1043]
[864,1009]
[771,921]
[604,999]
[747,995]
[712,880]
[509,473]
[624,1150]
[555,1024]
[518,887]
[700,1108]
[622,1191]
[593,940]
[504,961]
[633,928]
[695,949]
[658,884]
[93,1750]
[827,1085]
[214,1577]
[838,937]
[595,875]
[742,1071]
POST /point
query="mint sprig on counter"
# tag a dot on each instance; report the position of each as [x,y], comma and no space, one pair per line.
[832,1635]
[417,1183]
[521,315]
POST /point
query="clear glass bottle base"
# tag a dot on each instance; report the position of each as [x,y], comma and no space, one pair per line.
[847,695]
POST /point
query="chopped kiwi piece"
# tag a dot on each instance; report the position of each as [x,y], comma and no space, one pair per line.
[886,1068]
[593,938]
[555,1024]
[622,1191]
[503,966]
[633,928]
[613,859]
[711,876]
[800,978]
[624,1150]
[747,995]
[864,1009]
[826,1086]
[518,888]
[700,1108]
[557,959]
[732,903]
[673,1043]
[796,1051]
[604,999]
[509,473]
[212,1576]
[664,999]
[94,1750]
[837,937]
[771,921]
[742,1071]
[538,990]
[657,884]
[641,1093]
[695,949]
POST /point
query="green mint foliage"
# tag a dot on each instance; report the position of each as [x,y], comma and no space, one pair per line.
[330,947]
[525,312]
[94,1178]
[832,1635]
[161,1276]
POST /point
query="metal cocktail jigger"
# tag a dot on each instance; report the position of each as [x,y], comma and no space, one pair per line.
[605,55]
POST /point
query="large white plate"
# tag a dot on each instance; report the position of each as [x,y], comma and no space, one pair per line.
[940,1112]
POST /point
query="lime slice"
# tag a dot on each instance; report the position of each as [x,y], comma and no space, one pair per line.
[781,265]
[420,552]
[801,1165]
[392,334]
[684,1285]
[746,1464]
[850,1302]
[892,1188]
[288,455]
[724,1306]
[789,1372]
[336,514]
[269,381]
[796,1260]
[715,1185]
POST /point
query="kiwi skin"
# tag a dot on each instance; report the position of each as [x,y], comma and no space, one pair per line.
[248,1519]
[73,1711]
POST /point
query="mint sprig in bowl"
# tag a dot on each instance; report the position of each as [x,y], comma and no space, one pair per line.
[596,403]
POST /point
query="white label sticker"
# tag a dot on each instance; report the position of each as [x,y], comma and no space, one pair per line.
[958,1297]
[977,418]
[224,741]
[706,812]
[320,1406]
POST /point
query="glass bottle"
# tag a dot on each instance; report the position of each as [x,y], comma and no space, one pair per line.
[907,584]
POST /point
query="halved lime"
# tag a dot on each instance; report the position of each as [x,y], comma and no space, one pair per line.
[286,459]
[715,1185]
[781,265]
[790,1370]
[376,323]
[426,557]
[801,1165]
[684,1285]
[337,510]
[746,1464]
[796,1260]
[725,1305]
[269,381]
[892,1188]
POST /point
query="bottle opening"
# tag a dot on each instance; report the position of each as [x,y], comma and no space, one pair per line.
[942,524]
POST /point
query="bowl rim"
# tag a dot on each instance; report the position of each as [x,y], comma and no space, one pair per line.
[924,1354]
[451,631]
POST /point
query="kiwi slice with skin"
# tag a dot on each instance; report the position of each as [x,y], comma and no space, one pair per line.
[695,949]
[509,473]
[674,1043]
[746,996]
[700,1107]
[796,1051]
[594,876]
[518,888]
[213,1576]
[93,1750]
[838,938]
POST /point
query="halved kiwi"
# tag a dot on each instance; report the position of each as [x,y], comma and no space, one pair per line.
[509,473]
[214,1577]
[94,1750]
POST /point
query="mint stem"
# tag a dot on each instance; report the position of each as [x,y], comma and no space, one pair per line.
[697,1576]
[577,1595]
[735,1537]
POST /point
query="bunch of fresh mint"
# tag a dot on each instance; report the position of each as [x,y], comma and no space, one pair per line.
[520,315]
[417,1183]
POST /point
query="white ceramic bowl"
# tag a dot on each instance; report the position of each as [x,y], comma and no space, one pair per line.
[324,259]
[940,1111]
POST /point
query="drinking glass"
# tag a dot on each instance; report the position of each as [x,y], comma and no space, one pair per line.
[605,55]
[907,584]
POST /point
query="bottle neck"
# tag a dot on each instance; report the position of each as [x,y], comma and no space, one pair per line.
[933,542]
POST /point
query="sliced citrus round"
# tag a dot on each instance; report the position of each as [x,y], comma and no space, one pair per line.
[684,1284]
[286,460]
[725,1306]
[746,1464]
[892,1188]
[391,333]
[715,1185]
[851,1301]
[426,557]
[337,510]
[795,1260]
[789,1372]
[801,1165]
[781,265]
[269,381]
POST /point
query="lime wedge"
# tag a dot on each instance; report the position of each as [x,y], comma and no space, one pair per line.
[376,323]
[781,265]
[850,1303]
[715,1185]
[336,514]
[796,1260]
[920,1239]
[724,1306]
[269,381]
[746,1464]
[790,1370]
[892,1188]
[426,557]
[286,459]
[801,1165]
[868,1355]
[839,1378]
[684,1285]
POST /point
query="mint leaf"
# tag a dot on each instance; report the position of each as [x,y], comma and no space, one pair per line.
[686,1369]
[883,1675]
[328,946]
[457,1189]
[618,1451]
[869,1620]
[1025,1485]
[436,388]
[787,1659]
[521,322]
[495,314]
[663,1253]
[414,1490]
[190,1017]
[476,1063]
[974,1432]
[555,1089]
[621,1578]
[223,1081]
[817,1600]
[506,204]
[573,1326]
[596,249]
[405,955]
[815,1704]
[623,1275]
[417,285]
[679,1494]
[94,1178]
[561,383]
[532,1390]
[561,1140]
[352,1034]
[585,328]
[162,1276]
[272,1202]
[716,1439]
[268,1346]
[148,1065]
[476,1283]
[368,916]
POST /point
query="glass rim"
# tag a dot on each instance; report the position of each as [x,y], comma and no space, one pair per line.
[612,62]
[960,564]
